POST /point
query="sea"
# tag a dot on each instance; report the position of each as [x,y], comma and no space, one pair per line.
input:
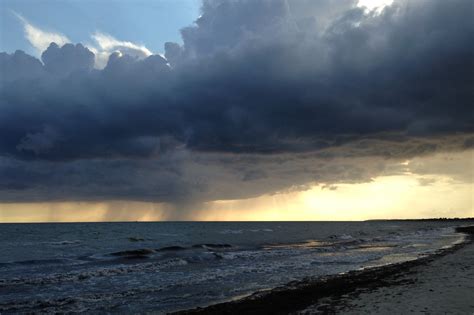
[161,267]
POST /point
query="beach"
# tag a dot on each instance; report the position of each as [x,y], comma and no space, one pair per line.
[234,267]
[440,283]
[442,286]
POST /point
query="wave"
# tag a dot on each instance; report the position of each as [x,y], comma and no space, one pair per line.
[309,244]
[66,242]
[228,231]
[212,246]
[73,304]
[171,248]
[135,253]
[136,239]
[93,273]
[231,231]
[35,262]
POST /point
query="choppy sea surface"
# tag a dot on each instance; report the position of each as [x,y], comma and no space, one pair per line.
[168,266]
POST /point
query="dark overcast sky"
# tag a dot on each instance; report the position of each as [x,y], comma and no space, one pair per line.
[258,96]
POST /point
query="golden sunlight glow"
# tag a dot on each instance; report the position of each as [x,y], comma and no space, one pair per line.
[388,197]
[415,192]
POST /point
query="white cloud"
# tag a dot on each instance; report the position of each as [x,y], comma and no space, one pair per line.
[107,44]
[38,38]
[104,44]
[377,5]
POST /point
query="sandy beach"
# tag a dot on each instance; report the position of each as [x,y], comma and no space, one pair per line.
[442,286]
[442,283]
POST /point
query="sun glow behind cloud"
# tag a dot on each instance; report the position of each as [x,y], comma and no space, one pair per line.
[387,197]
[374,4]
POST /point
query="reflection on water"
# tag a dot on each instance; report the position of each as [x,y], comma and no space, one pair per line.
[139,267]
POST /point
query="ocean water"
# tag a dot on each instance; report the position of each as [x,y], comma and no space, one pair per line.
[169,266]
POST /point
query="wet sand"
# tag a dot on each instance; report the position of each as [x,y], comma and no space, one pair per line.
[443,286]
[437,284]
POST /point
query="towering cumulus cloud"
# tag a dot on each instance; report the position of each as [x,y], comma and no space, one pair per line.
[269,95]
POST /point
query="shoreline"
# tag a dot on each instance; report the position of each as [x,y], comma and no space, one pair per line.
[299,295]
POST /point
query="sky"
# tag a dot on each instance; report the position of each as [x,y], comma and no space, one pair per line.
[236,110]
[142,21]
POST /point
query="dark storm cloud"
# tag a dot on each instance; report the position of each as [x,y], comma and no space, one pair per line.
[185,177]
[408,70]
[19,66]
[278,78]
[67,59]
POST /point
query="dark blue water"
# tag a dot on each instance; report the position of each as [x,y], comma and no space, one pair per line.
[162,267]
